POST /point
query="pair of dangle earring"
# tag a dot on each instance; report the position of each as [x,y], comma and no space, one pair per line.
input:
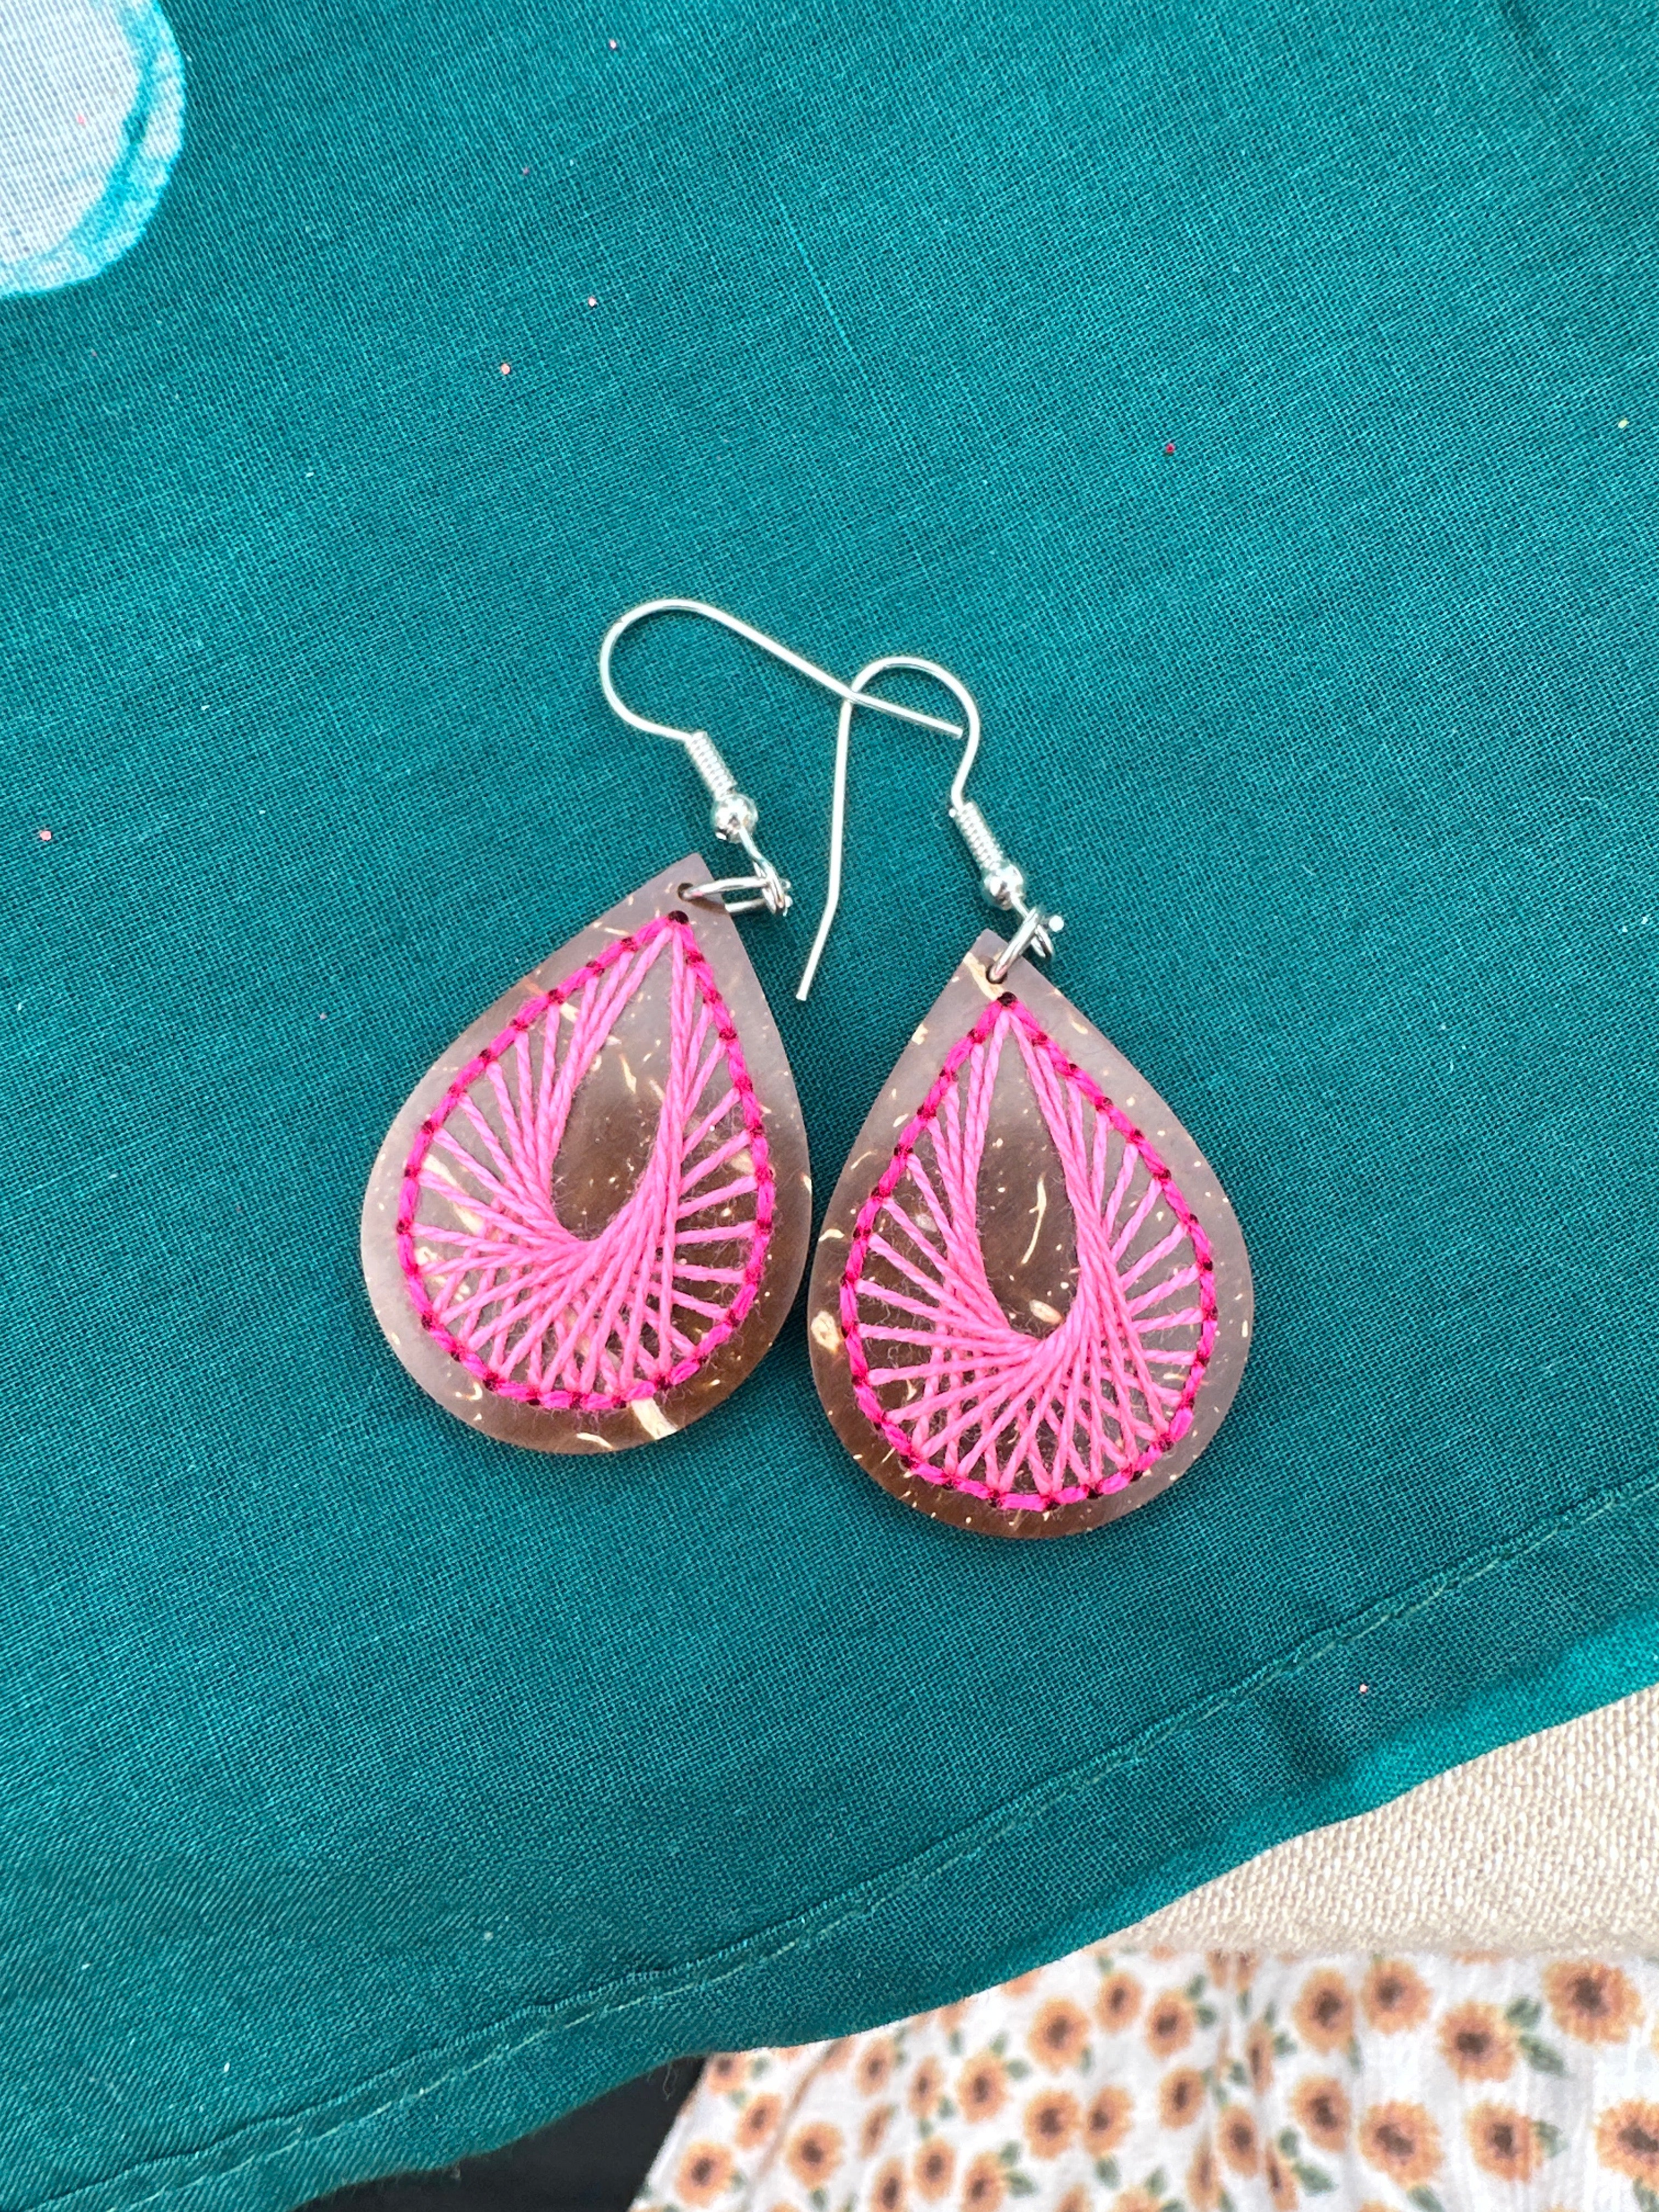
[585,1227]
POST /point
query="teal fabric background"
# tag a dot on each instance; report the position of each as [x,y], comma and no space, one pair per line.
[370,1792]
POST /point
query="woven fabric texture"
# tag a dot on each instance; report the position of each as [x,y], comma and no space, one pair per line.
[1547,1845]
[372,1792]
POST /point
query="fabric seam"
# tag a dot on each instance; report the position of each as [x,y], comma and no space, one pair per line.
[823,1917]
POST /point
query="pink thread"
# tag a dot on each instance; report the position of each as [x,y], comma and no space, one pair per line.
[1027,1422]
[592,1324]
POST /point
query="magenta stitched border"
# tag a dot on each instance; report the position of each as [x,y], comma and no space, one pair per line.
[598,1402]
[1011,1008]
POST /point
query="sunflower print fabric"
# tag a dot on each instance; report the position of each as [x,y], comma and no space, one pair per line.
[1113,2082]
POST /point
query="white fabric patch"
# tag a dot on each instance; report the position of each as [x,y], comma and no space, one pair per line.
[91,118]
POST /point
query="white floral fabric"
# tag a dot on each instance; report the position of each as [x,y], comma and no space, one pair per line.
[1163,2082]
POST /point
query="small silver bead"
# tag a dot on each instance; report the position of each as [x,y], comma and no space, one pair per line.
[1005,886]
[734,816]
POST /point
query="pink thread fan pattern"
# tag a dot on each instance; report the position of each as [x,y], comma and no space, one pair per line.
[968,1400]
[533,1309]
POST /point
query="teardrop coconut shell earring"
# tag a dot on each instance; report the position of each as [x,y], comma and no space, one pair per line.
[587,1223]
[1031,1305]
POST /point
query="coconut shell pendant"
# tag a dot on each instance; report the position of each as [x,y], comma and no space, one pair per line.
[587,1223]
[1031,1306]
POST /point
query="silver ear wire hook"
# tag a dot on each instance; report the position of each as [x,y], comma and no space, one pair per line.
[1002,882]
[733,814]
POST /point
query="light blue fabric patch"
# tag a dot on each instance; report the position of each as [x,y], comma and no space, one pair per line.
[92,113]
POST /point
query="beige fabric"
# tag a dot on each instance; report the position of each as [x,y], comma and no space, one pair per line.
[1549,1844]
